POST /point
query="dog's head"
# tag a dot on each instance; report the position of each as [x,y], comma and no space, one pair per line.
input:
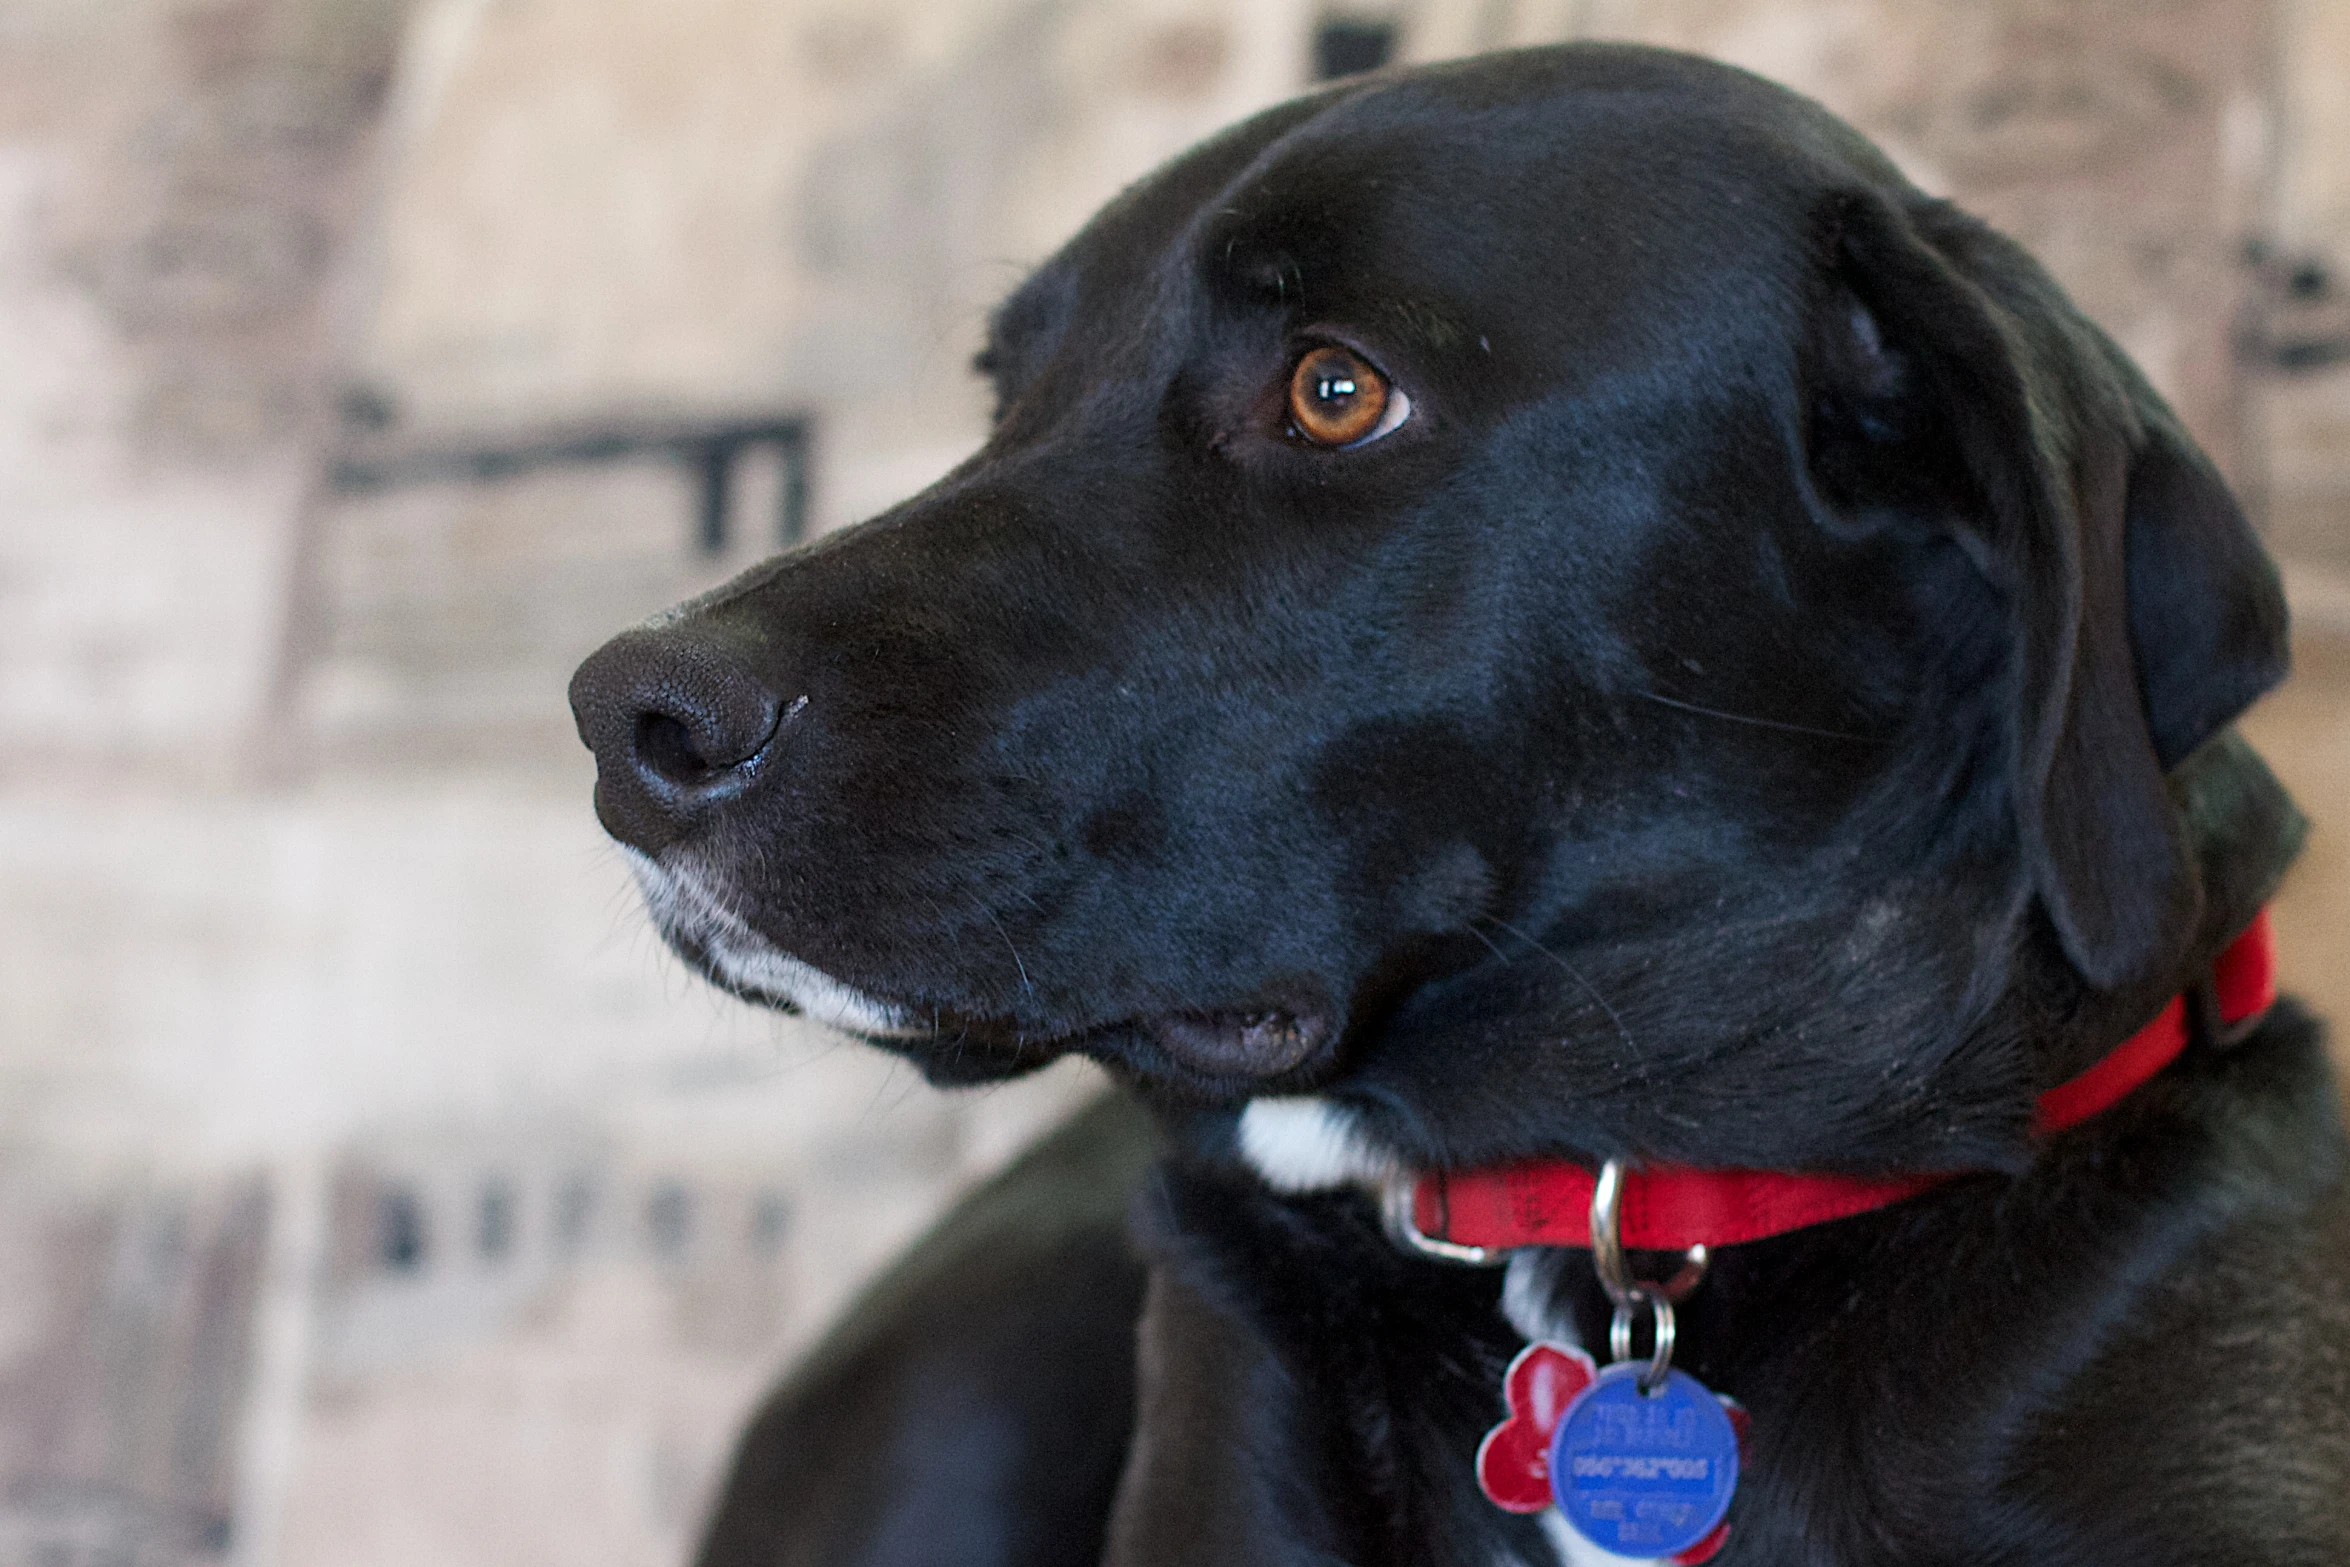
[1555,599]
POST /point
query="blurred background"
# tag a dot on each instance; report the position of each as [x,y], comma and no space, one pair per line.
[373,1190]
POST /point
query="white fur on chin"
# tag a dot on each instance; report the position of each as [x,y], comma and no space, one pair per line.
[682,906]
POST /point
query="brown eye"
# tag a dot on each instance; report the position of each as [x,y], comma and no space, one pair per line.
[1336,398]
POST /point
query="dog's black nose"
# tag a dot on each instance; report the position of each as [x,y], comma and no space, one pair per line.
[677,722]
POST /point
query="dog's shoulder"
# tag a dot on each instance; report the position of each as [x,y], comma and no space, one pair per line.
[974,1403]
[2213,1421]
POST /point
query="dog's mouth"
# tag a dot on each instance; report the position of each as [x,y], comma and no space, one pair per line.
[1262,1043]
[1209,1052]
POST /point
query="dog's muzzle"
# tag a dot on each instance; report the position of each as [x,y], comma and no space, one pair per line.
[693,916]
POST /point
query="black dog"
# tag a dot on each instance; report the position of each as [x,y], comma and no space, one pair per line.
[1545,607]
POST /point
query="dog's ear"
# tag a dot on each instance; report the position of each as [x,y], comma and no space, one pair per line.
[2142,615]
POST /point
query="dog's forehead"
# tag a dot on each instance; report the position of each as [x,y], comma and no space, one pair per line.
[1610,170]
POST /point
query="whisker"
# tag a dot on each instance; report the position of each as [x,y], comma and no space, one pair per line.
[1015,951]
[1759,723]
[940,915]
[1573,973]
[1470,925]
[873,1105]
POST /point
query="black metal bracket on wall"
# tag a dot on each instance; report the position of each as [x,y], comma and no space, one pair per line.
[2297,318]
[707,449]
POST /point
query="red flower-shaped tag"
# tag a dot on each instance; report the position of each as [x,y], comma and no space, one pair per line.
[1513,1462]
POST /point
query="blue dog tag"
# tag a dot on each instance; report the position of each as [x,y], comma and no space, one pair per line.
[1644,1474]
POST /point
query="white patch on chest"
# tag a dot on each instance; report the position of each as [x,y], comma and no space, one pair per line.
[1306,1144]
[1311,1145]
[1529,1297]
[1530,1300]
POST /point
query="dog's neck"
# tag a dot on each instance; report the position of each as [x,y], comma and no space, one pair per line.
[2245,830]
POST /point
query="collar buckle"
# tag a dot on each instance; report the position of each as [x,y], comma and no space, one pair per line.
[1397,1196]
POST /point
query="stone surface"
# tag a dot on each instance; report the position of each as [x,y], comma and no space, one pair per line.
[124,1354]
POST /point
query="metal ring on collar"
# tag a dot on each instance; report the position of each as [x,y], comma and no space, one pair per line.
[1628,1293]
[1607,1246]
[1619,1337]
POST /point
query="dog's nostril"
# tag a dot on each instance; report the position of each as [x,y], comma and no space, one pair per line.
[696,748]
[666,745]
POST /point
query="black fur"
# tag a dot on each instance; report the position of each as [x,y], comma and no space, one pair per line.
[974,1405]
[1765,708]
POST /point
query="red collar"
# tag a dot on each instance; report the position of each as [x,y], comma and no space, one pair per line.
[1547,1202]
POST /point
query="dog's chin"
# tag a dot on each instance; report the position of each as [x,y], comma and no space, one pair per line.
[696,922]
[1210,1059]
[1205,1056]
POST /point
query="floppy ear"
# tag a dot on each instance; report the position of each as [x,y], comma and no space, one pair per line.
[2141,613]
